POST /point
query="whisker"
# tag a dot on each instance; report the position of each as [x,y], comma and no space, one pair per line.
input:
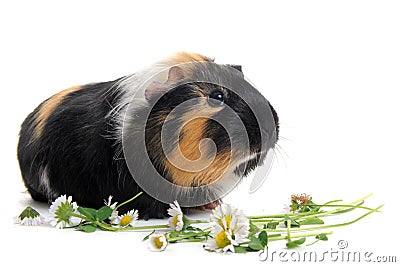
[275,156]
[284,138]
[278,149]
[281,150]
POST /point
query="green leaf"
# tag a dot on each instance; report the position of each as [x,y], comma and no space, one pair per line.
[293,223]
[29,212]
[295,243]
[322,237]
[173,234]
[147,236]
[310,221]
[253,229]
[192,228]
[255,243]
[272,225]
[239,249]
[88,212]
[263,236]
[314,207]
[89,228]
[103,213]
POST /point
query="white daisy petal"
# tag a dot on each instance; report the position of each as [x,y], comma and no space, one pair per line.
[230,227]
[129,219]
[158,242]
[176,220]
[29,217]
[229,248]
[108,203]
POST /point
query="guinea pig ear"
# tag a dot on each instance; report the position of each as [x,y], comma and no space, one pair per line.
[175,74]
[156,89]
[237,67]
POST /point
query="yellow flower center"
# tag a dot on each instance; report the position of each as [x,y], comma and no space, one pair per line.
[175,220]
[222,240]
[158,242]
[126,220]
[228,220]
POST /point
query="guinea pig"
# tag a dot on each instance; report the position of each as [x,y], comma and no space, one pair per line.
[72,143]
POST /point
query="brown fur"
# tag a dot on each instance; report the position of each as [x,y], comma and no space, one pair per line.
[47,108]
[199,170]
[190,142]
[185,57]
[206,176]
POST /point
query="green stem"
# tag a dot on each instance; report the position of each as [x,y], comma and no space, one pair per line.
[115,229]
[148,227]
[333,201]
[129,200]
[342,206]
[326,226]
[289,222]
[187,235]
[361,199]
[195,221]
[312,243]
[325,213]
[280,215]
[347,223]
[262,218]
[197,239]
[355,204]
[298,236]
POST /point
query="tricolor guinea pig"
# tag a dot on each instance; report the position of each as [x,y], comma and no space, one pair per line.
[169,120]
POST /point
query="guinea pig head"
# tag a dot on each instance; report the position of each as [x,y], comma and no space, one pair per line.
[200,131]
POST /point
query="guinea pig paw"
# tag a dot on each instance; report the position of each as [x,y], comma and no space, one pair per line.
[152,214]
[146,217]
[210,206]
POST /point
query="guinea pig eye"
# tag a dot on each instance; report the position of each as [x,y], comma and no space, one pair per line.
[216,98]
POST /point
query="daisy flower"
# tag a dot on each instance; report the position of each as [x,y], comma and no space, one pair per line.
[221,240]
[230,227]
[61,211]
[113,206]
[29,217]
[229,217]
[158,242]
[176,219]
[128,219]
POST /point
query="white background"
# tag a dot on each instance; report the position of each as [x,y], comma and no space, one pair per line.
[330,68]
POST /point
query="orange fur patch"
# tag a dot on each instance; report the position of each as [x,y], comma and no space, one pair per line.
[48,107]
[207,170]
[185,57]
[211,173]
[192,135]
